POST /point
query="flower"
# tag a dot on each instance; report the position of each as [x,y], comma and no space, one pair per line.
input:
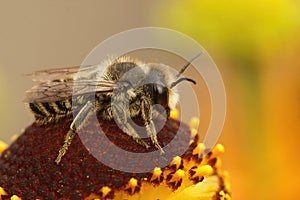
[28,170]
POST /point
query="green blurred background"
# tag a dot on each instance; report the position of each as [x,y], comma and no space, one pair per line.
[255,44]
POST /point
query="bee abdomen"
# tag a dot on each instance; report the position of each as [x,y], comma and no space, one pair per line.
[37,111]
[47,112]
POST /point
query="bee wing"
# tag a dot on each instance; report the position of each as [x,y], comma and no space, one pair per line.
[61,90]
[63,73]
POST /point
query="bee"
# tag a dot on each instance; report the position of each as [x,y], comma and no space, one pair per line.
[119,89]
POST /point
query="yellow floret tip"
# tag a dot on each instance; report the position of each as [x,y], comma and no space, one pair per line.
[180,173]
[194,122]
[132,184]
[15,197]
[3,146]
[224,195]
[217,150]
[176,161]
[194,132]
[174,114]
[202,171]
[177,176]
[199,149]
[105,190]
[156,173]
[2,192]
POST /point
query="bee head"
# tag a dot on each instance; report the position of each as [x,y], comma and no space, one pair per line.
[158,88]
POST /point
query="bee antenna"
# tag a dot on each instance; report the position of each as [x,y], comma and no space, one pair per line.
[188,63]
[182,79]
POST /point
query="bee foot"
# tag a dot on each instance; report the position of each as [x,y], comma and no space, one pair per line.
[159,148]
[141,142]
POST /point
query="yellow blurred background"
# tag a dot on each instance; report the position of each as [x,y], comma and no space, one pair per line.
[255,44]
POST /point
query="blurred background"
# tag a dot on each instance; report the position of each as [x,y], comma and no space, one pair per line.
[255,44]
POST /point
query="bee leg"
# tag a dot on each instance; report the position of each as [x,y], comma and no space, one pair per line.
[64,148]
[77,123]
[150,128]
[121,119]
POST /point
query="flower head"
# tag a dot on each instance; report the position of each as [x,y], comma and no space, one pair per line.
[28,170]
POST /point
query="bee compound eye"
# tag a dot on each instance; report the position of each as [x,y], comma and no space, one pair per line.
[158,89]
[160,95]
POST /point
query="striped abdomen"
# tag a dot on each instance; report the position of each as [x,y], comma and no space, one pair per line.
[47,112]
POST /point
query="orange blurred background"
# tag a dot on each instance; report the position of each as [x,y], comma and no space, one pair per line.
[255,44]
